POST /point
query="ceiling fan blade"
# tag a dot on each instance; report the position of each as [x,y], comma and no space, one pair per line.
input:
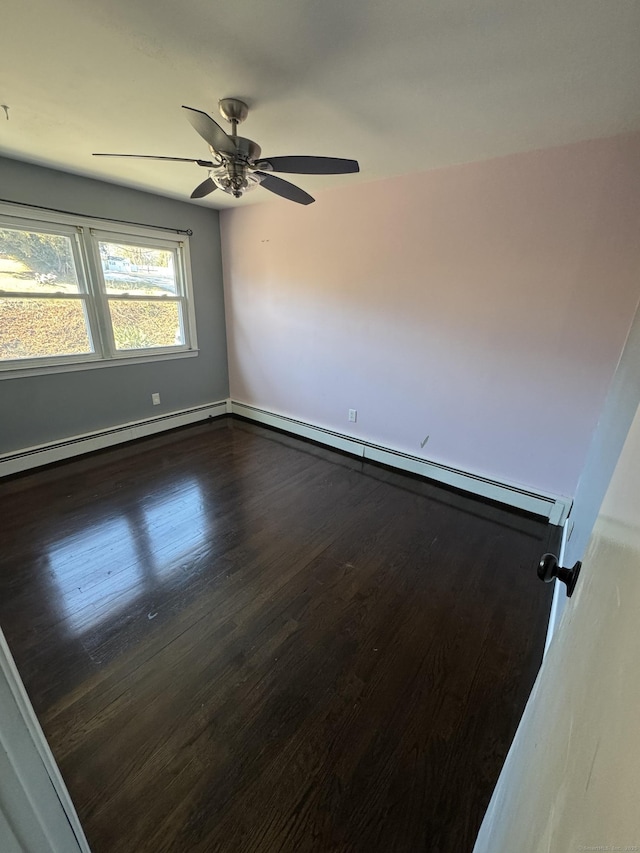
[284,188]
[204,189]
[206,163]
[210,131]
[311,165]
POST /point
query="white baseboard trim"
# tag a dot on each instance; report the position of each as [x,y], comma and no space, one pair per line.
[553,507]
[43,454]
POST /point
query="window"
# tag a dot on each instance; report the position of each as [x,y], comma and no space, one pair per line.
[72,294]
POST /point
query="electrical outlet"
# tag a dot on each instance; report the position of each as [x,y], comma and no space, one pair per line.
[155,399]
[353,415]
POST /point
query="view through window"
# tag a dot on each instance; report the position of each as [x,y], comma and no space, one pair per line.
[42,308]
[71,293]
[143,293]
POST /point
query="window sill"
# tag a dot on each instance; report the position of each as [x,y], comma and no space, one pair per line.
[69,366]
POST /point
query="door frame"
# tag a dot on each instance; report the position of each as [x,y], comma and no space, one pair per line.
[35,805]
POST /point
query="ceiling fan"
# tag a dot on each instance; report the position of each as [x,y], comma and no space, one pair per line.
[238,166]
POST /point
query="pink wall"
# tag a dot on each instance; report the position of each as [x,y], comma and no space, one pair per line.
[485,305]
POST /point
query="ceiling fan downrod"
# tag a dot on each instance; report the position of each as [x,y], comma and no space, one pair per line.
[235,112]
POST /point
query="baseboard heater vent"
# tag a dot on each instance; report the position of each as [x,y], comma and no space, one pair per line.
[553,507]
[55,451]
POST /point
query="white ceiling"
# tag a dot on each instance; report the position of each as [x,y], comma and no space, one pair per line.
[401,85]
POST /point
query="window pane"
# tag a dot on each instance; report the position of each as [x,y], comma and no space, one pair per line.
[31,328]
[138,270]
[139,324]
[39,263]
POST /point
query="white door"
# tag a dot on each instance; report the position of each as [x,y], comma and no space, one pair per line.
[33,818]
[572,777]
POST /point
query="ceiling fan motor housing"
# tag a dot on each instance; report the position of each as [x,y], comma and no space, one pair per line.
[246,150]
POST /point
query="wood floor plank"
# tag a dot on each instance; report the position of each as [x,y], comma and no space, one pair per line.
[237,641]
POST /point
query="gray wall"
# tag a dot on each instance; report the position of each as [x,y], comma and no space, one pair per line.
[37,409]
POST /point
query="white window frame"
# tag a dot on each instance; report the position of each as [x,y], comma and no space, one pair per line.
[85,234]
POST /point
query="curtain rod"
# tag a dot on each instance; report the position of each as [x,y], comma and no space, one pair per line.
[187,231]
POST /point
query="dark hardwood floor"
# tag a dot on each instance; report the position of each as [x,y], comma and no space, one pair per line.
[237,641]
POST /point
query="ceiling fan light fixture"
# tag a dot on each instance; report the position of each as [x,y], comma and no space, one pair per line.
[253,181]
[235,181]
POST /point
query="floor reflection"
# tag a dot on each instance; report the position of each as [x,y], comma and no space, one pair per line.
[176,527]
[96,572]
[103,569]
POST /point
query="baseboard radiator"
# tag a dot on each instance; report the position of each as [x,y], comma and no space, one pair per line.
[55,451]
[553,507]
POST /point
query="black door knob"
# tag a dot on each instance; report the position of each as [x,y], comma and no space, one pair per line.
[548,569]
